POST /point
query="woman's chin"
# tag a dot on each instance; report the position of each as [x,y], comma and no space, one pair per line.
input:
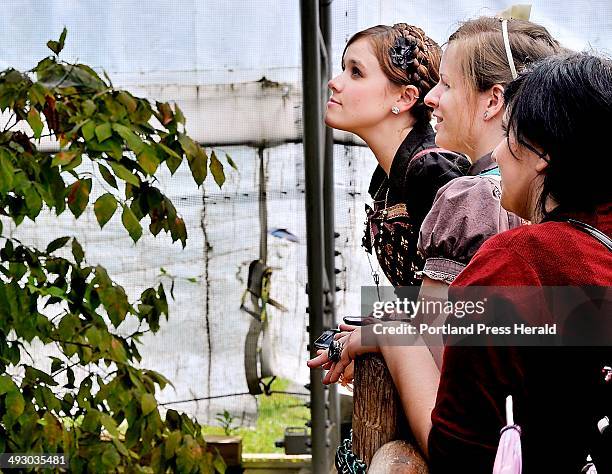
[330,122]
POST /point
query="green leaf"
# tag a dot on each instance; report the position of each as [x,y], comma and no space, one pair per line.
[128,101]
[89,107]
[134,143]
[165,112]
[68,326]
[93,336]
[116,304]
[103,131]
[109,424]
[33,374]
[148,159]
[187,144]
[131,223]
[14,403]
[88,130]
[107,175]
[51,401]
[6,171]
[56,365]
[117,351]
[147,403]
[123,173]
[219,464]
[77,252]
[178,114]
[57,46]
[216,168]
[64,158]
[37,94]
[7,384]
[120,446]
[196,157]
[110,458]
[57,243]
[231,162]
[33,202]
[172,442]
[170,151]
[78,196]
[178,231]
[174,160]
[91,421]
[104,208]
[35,122]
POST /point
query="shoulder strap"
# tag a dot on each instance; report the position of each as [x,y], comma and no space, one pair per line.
[431,150]
[592,231]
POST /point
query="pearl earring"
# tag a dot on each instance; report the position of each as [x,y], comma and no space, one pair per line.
[395,110]
[486,114]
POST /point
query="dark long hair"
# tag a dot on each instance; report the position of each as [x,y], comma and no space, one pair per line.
[563,105]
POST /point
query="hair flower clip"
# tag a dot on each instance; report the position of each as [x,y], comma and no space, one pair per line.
[403,52]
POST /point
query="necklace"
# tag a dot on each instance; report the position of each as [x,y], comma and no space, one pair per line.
[374,273]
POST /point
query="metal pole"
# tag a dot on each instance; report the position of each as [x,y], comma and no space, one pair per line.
[311,77]
[328,215]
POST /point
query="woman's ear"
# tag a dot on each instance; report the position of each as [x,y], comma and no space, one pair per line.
[409,96]
[541,165]
[495,102]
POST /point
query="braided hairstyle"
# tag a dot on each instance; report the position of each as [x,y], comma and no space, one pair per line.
[407,56]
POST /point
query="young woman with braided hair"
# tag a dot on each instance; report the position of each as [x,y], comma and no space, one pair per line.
[481,57]
[387,71]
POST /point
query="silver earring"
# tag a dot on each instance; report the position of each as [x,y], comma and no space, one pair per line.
[486,114]
[395,110]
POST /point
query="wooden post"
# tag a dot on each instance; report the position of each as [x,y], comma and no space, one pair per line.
[378,418]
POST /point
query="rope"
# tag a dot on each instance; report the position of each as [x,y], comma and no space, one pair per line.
[233,395]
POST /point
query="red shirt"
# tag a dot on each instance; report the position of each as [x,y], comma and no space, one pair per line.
[553,387]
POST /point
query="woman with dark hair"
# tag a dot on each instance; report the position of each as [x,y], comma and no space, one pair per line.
[556,174]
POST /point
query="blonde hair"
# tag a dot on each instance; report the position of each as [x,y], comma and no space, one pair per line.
[482,56]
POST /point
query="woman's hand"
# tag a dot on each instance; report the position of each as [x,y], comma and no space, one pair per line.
[342,370]
[322,358]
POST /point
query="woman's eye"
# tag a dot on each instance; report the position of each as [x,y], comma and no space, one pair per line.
[356,72]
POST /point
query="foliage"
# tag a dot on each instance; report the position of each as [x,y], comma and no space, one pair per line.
[275,413]
[54,296]
[226,420]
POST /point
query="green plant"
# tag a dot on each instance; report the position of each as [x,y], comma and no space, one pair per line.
[275,413]
[75,307]
[225,420]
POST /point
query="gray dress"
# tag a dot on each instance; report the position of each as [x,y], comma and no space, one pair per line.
[465,213]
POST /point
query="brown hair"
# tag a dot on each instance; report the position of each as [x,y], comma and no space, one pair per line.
[482,54]
[423,73]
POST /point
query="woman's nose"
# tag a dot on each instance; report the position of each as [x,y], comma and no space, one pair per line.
[334,84]
[431,99]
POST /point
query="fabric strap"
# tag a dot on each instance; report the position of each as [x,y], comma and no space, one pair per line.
[592,231]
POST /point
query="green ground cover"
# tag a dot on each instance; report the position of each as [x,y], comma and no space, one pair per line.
[276,412]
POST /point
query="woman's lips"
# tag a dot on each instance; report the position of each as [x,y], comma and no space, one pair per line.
[439,120]
[333,101]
